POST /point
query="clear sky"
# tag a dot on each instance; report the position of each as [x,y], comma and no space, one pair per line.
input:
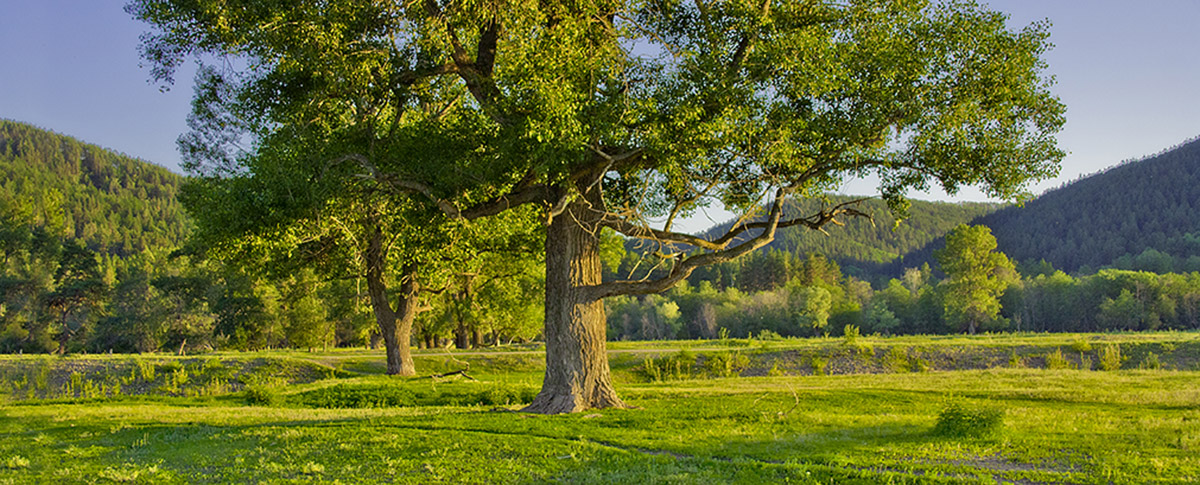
[1129,72]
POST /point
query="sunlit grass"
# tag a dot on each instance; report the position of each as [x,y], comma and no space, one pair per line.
[1064,426]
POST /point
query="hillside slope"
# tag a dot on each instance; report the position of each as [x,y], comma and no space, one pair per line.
[1140,214]
[863,247]
[115,204]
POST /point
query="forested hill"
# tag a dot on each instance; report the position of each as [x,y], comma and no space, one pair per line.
[1142,214]
[114,203]
[863,248]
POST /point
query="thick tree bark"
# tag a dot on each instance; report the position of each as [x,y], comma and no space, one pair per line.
[394,324]
[577,374]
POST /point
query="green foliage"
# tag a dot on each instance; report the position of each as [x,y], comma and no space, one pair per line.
[850,335]
[1081,345]
[112,203]
[960,421]
[1015,361]
[676,367]
[767,335]
[819,365]
[1056,361]
[1110,357]
[977,275]
[16,462]
[726,364]
[261,396]
[365,396]
[1150,362]
[897,360]
[1134,216]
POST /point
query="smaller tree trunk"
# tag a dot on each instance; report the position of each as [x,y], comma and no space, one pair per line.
[395,325]
[462,336]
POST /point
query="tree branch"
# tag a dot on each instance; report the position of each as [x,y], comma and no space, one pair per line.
[721,252]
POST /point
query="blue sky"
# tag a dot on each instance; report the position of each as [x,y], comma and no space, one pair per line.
[1129,72]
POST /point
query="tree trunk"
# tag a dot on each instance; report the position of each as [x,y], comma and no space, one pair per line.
[395,325]
[462,336]
[577,374]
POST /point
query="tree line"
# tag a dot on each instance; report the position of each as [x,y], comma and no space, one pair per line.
[777,294]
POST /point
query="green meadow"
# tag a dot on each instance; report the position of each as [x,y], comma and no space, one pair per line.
[1013,409]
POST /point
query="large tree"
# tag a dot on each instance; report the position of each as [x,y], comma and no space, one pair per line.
[629,115]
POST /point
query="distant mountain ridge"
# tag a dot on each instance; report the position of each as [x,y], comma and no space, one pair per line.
[114,203]
[1141,214]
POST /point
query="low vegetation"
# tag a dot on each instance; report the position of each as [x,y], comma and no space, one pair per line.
[912,410]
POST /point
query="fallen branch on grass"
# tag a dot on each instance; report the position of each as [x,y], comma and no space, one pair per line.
[461,372]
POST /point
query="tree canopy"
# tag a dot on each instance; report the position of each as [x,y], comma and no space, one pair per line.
[615,114]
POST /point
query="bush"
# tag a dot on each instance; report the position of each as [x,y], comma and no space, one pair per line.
[1056,361]
[1151,362]
[898,361]
[677,367]
[1081,345]
[819,366]
[16,462]
[765,335]
[1015,361]
[726,364]
[850,335]
[1110,358]
[957,421]
[261,396]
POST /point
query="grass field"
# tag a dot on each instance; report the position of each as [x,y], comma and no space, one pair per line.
[980,409]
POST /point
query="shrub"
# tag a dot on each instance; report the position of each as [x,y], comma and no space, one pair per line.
[765,335]
[850,334]
[898,361]
[147,369]
[677,367]
[727,364]
[261,396]
[1015,361]
[1110,357]
[819,366]
[1056,361]
[1081,345]
[1151,362]
[957,421]
[775,371]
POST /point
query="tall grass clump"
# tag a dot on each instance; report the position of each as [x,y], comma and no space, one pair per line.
[147,369]
[1151,362]
[1110,357]
[958,421]
[850,335]
[819,366]
[1056,361]
[1015,361]
[897,360]
[726,364]
[676,367]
